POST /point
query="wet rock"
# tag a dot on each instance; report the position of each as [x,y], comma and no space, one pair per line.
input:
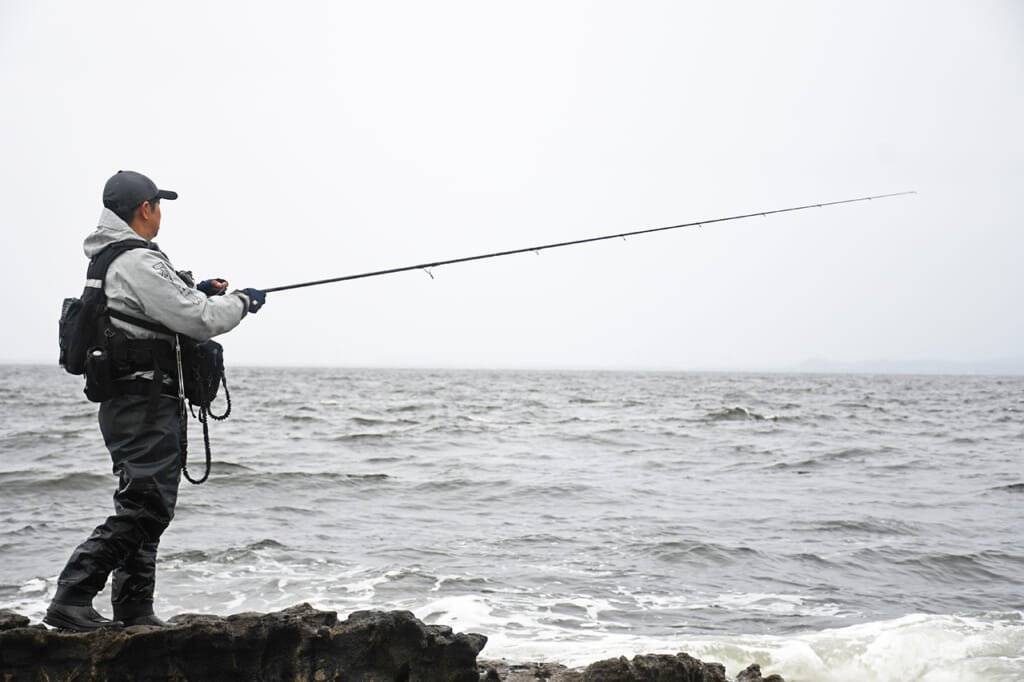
[648,668]
[655,668]
[753,674]
[502,671]
[10,620]
[302,643]
[299,643]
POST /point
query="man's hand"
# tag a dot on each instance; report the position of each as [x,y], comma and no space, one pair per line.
[256,299]
[213,287]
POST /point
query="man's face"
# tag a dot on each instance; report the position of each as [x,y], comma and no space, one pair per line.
[147,222]
[156,217]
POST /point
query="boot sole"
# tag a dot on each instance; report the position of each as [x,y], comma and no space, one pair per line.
[63,625]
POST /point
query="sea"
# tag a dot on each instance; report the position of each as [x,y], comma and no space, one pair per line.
[827,527]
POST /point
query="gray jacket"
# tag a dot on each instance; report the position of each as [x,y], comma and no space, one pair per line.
[142,283]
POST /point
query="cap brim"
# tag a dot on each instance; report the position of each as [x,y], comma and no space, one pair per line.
[166,194]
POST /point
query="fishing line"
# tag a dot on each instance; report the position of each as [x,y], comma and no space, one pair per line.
[426,267]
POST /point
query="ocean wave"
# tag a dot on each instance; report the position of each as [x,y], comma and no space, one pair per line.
[384,459]
[736,413]
[869,526]
[983,648]
[228,467]
[878,458]
[244,554]
[691,553]
[360,437]
[303,478]
[376,421]
[177,559]
[19,441]
[1017,488]
[978,648]
[446,485]
[413,407]
[947,568]
[199,560]
[301,418]
[32,482]
[89,417]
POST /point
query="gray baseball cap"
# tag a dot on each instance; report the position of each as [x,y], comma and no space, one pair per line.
[126,190]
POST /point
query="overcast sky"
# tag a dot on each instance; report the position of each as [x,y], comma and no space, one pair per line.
[318,139]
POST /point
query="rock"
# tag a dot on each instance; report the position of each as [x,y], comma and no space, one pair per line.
[753,674]
[655,668]
[299,643]
[10,620]
[649,668]
[304,644]
[501,671]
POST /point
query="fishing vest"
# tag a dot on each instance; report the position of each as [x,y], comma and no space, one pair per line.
[91,345]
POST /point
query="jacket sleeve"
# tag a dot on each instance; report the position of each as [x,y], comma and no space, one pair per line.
[142,282]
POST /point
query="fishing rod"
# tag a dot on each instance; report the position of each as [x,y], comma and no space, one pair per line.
[536,249]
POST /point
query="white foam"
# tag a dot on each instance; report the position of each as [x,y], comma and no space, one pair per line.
[465,612]
[916,648]
[33,585]
[774,603]
[365,587]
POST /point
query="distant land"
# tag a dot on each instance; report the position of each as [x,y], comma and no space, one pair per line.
[1004,367]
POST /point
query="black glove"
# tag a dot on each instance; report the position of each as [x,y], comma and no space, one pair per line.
[213,287]
[256,299]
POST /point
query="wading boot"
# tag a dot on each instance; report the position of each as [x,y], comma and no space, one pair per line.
[138,614]
[76,618]
[150,620]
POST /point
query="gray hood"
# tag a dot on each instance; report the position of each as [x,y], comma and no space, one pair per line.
[110,229]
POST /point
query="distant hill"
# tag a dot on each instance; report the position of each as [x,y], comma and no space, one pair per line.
[1005,367]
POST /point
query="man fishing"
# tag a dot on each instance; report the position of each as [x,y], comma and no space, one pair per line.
[150,304]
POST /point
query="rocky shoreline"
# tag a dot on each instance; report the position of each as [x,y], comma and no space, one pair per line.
[647,668]
[303,643]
